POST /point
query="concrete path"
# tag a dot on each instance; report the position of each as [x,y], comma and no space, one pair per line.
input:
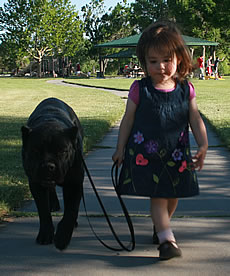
[201,225]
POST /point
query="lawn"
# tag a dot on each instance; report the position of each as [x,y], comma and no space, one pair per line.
[213,98]
[97,110]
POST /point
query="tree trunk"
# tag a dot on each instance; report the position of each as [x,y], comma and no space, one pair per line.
[39,69]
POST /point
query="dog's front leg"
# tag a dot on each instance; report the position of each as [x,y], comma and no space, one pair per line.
[72,194]
[53,200]
[41,198]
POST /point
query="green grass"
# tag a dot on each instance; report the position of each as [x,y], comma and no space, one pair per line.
[96,109]
[213,98]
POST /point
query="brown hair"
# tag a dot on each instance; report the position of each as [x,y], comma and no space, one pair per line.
[164,37]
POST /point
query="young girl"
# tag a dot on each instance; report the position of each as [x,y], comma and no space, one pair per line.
[209,66]
[153,141]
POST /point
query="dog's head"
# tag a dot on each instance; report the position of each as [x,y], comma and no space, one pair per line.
[48,153]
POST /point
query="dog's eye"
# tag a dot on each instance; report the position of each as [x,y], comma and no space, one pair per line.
[62,152]
[35,150]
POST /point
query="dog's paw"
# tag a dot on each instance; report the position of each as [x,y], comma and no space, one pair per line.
[61,244]
[63,235]
[62,241]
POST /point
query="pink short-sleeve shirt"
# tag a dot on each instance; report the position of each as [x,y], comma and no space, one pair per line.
[134,92]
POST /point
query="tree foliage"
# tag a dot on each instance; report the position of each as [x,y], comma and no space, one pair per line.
[116,24]
[207,19]
[39,28]
[101,25]
[46,27]
[145,12]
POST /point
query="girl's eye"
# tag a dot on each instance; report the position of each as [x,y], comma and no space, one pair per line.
[168,60]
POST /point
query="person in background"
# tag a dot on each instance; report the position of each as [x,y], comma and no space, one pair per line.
[78,69]
[209,66]
[200,62]
[216,64]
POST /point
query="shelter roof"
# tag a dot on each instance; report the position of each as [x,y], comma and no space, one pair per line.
[130,53]
[131,41]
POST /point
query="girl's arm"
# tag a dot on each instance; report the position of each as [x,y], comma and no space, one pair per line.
[200,134]
[124,131]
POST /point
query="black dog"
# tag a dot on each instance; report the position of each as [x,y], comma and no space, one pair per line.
[52,155]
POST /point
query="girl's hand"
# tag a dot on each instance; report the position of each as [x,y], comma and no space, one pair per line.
[199,158]
[124,131]
[118,157]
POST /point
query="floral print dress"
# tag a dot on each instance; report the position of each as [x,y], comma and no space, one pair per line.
[157,159]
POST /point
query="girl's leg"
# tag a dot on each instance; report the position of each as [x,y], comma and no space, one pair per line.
[162,210]
[159,206]
[160,213]
[172,205]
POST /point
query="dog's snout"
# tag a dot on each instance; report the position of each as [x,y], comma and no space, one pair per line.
[50,166]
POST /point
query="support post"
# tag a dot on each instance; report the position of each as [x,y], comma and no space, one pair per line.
[204,59]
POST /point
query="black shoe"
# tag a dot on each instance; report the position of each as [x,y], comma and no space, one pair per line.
[168,251]
[155,237]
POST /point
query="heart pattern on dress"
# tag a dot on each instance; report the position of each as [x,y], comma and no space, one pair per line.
[141,161]
[183,166]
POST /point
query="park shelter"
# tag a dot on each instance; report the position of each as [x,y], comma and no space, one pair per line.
[130,53]
[131,42]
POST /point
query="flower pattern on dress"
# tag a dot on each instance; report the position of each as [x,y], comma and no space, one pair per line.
[177,155]
[151,146]
[138,138]
[178,158]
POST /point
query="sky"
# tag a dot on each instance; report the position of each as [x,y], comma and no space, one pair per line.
[80,3]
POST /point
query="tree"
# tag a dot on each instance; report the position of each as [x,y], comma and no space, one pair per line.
[116,24]
[206,19]
[145,12]
[101,26]
[58,32]
[92,14]
[13,33]
[41,27]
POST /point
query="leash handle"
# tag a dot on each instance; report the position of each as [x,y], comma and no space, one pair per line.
[128,219]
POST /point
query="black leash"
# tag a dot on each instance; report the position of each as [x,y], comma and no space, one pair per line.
[131,245]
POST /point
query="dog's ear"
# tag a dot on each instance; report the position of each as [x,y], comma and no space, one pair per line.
[25,133]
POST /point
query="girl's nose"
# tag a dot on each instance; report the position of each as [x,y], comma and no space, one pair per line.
[162,65]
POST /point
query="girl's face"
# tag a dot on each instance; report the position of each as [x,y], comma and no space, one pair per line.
[161,68]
